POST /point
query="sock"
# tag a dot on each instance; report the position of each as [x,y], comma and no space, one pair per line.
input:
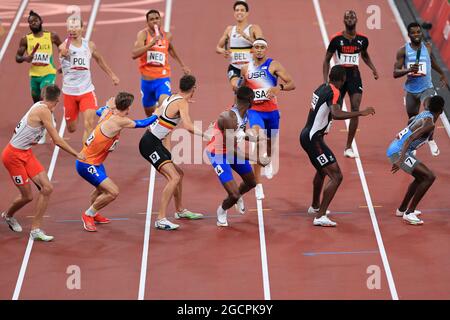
[91,211]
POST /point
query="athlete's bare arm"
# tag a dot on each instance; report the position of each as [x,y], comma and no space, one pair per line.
[21,55]
[399,66]
[56,40]
[183,109]
[326,65]
[288,83]
[256,32]
[102,63]
[338,114]
[436,67]
[366,57]
[224,42]
[140,47]
[174,55]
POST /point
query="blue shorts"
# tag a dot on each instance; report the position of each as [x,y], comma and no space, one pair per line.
[91,173]
[151,90]
[270,121]
[223,165]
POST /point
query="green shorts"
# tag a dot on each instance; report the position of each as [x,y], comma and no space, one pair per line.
[37,83]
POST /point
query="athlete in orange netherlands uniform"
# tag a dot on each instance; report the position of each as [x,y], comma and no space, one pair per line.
[77,87]
[153,47]
[22,165]
[100,143]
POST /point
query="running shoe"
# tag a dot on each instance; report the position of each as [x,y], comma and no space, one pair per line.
[12,223]
[222,217]
[312,210]
[165,224]
[433,148]
[98,218]
[349,153]
[259,192]
[239,205]
[412,219]
[324,221]
[88,222]
[185,213]
[399,213]
[39,235]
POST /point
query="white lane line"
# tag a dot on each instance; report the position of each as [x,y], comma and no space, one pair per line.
[14,25]
[373,216]
[51,168]
[262,243]
[404,31]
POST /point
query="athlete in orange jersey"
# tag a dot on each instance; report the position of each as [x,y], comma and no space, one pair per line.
[153,47]
[100,143]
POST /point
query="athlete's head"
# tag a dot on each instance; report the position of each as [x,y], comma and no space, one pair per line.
[415,32]
[153,17]
[436,105]
[259,48]
[240,10]
[50,94]
[187,84]
[244,96]
[123,101]
[338,76]
[35,22]
[350,19]
[75,26]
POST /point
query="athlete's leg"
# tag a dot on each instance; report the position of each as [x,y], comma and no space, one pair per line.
[45,190]
[425,178]
[233,194]
[107,191]
[334,173]
[169,171]
[25,197]
[179,190]
[318,181]
[409,194]
[94,195]
[35,88]
[261,148]
[355,102]
[412,104]
[71,109]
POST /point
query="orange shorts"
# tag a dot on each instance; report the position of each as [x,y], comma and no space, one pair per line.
[74,104]
[21,164]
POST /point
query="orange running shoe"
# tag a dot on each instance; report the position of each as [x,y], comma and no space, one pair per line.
[101,219]
[88,222]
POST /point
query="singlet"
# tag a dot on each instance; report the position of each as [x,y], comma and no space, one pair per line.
[155,62]
[261,80]
[320,118]
[98,146]
[348,51]
[24,136]
[164,125]
[76,70]
[42,63]
[217,144]
[240,47]
[416,83]
[397,145]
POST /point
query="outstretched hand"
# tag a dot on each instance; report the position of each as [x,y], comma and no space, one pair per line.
[368,111]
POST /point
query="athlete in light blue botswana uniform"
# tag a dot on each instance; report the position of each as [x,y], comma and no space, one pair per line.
[415,60]
[400,154]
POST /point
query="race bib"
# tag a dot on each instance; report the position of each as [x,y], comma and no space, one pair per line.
[156,58]
[422,69]
[41,59]
[349,59]
[240,57]
[79,63]
[261,95]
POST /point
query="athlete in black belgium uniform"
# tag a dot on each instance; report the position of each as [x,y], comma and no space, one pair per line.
[349,46]
[325,106]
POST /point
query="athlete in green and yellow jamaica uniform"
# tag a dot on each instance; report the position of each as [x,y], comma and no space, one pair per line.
[43,70]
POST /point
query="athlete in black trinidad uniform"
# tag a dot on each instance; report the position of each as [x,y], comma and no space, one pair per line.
[325,105]
[348,46]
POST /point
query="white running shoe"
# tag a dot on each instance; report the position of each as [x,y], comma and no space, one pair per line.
[259,192]
[185,213]
[433,148]
[165,224]
[412,219]
[324,221]
[268,171]
[399,213]
[39,235]
[12,223]
[311,210]
[349,153]
[222,217]
[240,207]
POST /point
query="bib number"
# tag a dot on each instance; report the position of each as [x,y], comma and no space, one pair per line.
[18,180]
[156,58]
[314,100]
[261,95]
[349,59]
[410,161]
[218,170]
[79,63]
[239,57]
[323,160]
[90,139]
[402,133]
[41,59]
[422,69]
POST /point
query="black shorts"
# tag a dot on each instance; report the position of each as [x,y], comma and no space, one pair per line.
[153,151]
[318,152]
[233,72]
[353,84]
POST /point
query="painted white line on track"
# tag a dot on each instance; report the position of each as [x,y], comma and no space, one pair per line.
[14,25]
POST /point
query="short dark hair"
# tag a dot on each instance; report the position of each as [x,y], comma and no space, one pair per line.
[241,3]
[413,25]
[245,95]
[34,14]
[123,100]
[337,73]
[436,104]
[51,92]
[152,11]
[187,82]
